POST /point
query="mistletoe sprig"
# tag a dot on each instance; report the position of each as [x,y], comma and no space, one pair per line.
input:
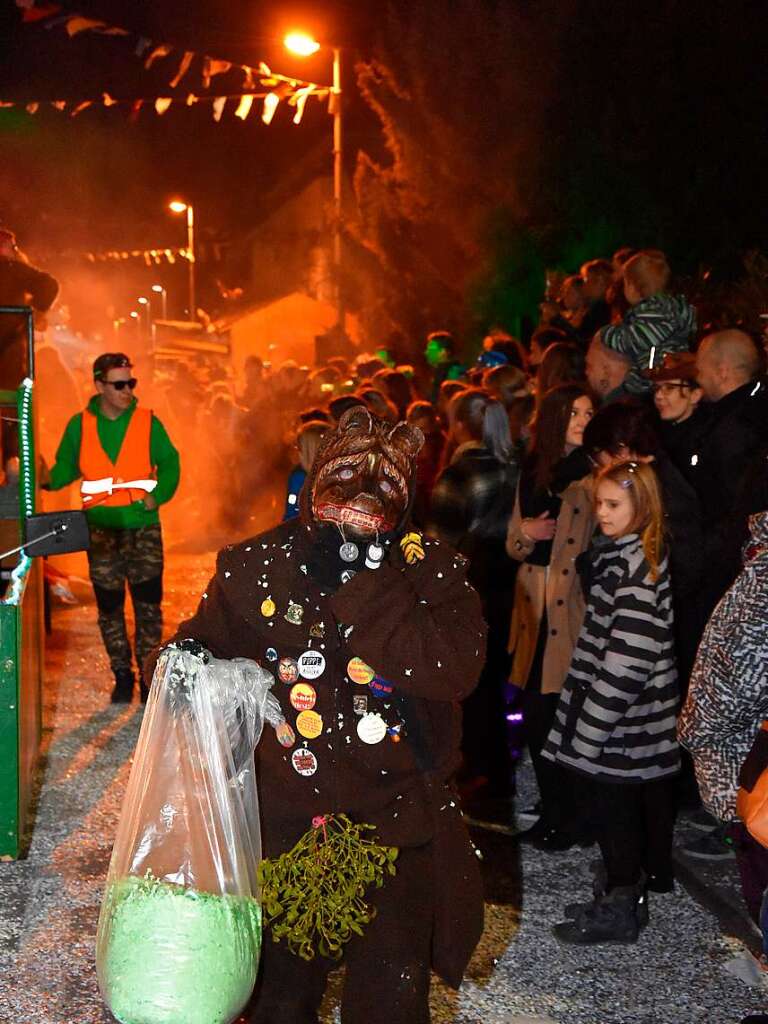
[314,895]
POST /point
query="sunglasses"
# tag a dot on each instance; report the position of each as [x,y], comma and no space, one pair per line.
[667,388]
[118,385]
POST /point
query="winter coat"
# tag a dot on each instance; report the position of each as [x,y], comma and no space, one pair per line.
[683,442]
[554,587]
[738,429]
[616,717]
[419,627]
[728,695]
[656,325]
[470,508]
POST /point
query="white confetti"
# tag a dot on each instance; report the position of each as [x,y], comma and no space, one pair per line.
[227,574]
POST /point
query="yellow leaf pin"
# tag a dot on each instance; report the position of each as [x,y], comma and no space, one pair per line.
[412,548]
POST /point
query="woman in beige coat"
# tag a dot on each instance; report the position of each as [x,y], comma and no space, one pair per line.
[552,523]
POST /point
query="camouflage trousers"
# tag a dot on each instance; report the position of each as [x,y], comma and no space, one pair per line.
[135,557]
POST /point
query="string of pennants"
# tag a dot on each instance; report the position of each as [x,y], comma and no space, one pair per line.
[294,91]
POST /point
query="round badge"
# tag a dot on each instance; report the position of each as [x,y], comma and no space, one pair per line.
[268,608]
[286,737]
[311,664]
[304,761]
[309,724]
[271,654]
[380,687]
[303,697]
[359,672]
[288,670]
[372,728]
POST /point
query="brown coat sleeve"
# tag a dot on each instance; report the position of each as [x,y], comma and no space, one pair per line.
[420,626]
[518,545]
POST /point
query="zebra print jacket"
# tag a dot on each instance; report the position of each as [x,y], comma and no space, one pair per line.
[616,717]
[728,695]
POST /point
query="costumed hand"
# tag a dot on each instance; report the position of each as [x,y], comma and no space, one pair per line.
[541,528]
[150,502]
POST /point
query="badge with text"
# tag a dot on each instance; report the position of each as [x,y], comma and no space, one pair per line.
[295,613]
[309,724]
[288,670]
[372,728]
[359,672]
[380,687]
[268,608]
[303,697]
[286,737]
[304,761]
[311,664]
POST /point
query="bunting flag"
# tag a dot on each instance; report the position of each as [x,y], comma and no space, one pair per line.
[51,16]
[186,60]
[162,104]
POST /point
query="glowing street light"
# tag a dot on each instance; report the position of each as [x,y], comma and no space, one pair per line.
[159,290]
[303,45]
[177,206]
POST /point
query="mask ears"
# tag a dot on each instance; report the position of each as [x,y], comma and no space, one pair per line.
[356,420]
[407,439]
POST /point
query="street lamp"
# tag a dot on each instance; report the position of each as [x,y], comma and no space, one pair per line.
[159,290]
[303,45]
[177,206]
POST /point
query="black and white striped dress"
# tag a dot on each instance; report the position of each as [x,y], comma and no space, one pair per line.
[617,711]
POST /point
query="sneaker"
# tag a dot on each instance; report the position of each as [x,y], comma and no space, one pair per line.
[714,845]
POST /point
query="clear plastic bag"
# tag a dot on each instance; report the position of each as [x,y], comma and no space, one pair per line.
[179,933]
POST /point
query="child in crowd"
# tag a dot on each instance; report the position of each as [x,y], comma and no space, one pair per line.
[307,442]
[656,323]
[615,723]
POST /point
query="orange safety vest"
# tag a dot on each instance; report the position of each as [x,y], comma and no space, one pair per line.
[133,460]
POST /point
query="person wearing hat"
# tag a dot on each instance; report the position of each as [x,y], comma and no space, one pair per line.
[21,284]
[115,438]
[677,397]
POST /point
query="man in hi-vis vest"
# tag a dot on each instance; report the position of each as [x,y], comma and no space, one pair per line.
[113,438]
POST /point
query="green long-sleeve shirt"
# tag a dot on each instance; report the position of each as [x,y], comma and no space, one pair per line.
[162,454]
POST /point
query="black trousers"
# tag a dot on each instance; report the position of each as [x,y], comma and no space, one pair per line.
[387,969]
[634,824]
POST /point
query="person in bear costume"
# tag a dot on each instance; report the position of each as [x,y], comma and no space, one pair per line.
[374,637]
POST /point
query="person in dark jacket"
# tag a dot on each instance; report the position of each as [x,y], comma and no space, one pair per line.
[383,635]
[615,723]
[729,367]
[21,284]
[470,506]
[682,414]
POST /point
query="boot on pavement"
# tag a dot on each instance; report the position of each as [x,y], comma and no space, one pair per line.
[612,918]
[123,688]
[573,910]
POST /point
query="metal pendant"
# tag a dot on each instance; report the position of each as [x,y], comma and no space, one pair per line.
[374,556]
[348,551]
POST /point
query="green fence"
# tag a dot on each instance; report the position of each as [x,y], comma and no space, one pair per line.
[21,652]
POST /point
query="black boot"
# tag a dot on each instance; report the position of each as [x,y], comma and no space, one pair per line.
[123,689]
[612,918]
[573,910]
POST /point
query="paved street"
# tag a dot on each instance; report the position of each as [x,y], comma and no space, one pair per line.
[49,902]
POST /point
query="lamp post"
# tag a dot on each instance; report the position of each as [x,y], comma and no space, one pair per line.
[177,206]
[159,290]
[144,302]
[304,45]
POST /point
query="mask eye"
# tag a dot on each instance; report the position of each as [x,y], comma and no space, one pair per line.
[386,487]
[346,473]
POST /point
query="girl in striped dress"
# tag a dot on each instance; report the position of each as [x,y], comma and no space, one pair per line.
[615,723]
